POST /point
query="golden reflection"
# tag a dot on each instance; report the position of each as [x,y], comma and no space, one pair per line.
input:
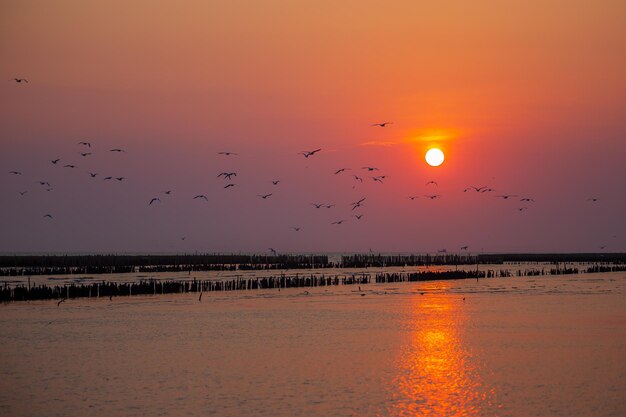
[436,374]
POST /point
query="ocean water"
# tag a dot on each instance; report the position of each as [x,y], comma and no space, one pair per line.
[522,346]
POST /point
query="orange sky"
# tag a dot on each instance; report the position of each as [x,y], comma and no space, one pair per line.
[528,98]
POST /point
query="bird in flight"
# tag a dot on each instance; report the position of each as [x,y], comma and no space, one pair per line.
[55,161]
[329,205]
[370,168]
[530,200]
[264,196]
[357,178]
[602,247]
[107,178]
[316,205]
[432,182]
[45,183]
[227,175]
[20,80]
[85,154]
[442,251]
[229,185]
[505,196]
[594,199]
[23,192]
[120,178]
[183,238]
[168,192]
[227,153]
[273,251]
[309,153]
[118,150]
[357,216]
[340,170]
[412,197]
[433,196]
[338,222]
[297,229]
[87,144]
[477,189]
[275,182]
[464,247]
[379,178]
[154,200]
[201,196]
[69,166]
[521,208]
[357,204]
[93,174]
[48,216]
[15,172]
[382,124]
[487,190]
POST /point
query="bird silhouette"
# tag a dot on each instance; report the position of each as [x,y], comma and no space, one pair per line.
[275,182]
[229,185]
[306,154]
[487,190]
[383,124]
[412,197]
[357,204]
[107,178]
[432,196]
[62,301]
[505,196]
[23,192]
[44,183]
[87,144]
[357,178]
[464,247]
[432,182]
[69,166]
[85,153]
[316,205]
[118,150]
[338,222]
[472,187]
[340,170]
[15,172]
[379,178]
[329,205]
[120,178]
[227,153]
[521,208]
[297,229]
[48,216]
[154,200]
[273,251]
[370,169]
[593,199]
[227,175]
[93,174]
[264,196]
[55,161]
[357,216]
[530,200]
[201,196]
[168,192]
[20,80]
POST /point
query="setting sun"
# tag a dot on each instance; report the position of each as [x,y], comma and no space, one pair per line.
[434,157]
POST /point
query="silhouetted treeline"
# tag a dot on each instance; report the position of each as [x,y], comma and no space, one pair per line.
[108,264]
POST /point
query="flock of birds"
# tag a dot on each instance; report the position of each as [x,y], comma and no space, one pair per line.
[230,176]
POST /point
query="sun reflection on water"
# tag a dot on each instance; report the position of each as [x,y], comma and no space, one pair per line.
[436,373]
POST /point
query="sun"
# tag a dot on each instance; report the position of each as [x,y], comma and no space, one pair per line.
[434,157]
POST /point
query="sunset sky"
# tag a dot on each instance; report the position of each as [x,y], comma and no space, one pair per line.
[528,98]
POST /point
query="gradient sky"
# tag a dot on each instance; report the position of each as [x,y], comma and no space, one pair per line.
[528,98]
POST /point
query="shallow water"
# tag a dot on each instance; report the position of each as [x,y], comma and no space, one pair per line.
[551,345]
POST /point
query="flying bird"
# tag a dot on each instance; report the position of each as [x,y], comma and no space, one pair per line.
[273,251]
[85,154]
[20,80]
[432,196]
[487,190]
[521,208]
[329,205]
[120,178]
[382,124]
[201,196]
[477,189]
[62,301]
[229,185]
[370,168]
[183,238]
[227,153]
[48,216]
[379,178]
[154,200]
[275,182]
[317,205]
[69,166]
[530,200]
[55,161]
[87,144]
[264,196]
[357,216]
[23,192]
[340,170]
[594,199]
[464,247]
[227,175]
[505,196]
[93,174]
[15,172]
[309,153]
[118,150]
[357,204]
[297,229]
[168,192]
[412,197]
[432,182]
[107,178]
[45,183]
[338,222]
[357,178]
